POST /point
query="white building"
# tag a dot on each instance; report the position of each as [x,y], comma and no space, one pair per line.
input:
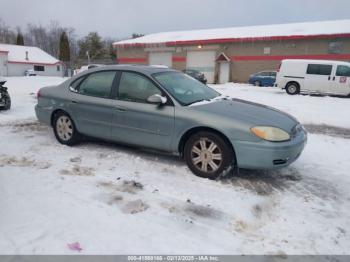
[15,60]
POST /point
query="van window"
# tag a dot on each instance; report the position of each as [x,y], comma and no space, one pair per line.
[314,69]
[343,70]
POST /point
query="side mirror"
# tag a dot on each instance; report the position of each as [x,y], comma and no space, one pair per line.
[156,99]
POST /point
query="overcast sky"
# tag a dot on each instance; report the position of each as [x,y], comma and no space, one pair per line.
[120,18]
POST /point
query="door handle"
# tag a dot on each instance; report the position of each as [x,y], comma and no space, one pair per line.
[333,78]
[74,102]
[329,77]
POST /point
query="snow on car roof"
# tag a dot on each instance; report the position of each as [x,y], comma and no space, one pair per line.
[334,27]
[17,54]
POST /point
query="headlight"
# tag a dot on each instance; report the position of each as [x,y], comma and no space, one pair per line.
[270,133]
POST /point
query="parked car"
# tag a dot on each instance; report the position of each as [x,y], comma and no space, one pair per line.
[196,74]
[29,72]
[170,111]
[314,77]
[5,100]
[263,78]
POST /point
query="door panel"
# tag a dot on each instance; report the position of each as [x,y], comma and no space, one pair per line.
[137,122]
[92,115]
[91,105]
[340,82]
[318,78]
[143,124]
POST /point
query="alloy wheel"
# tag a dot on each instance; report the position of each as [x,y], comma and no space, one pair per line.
[64,128]
[206,155]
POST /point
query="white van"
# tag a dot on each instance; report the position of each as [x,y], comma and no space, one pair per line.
[314,77]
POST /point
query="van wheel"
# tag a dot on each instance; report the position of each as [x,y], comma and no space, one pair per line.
[293,88]
[208,155]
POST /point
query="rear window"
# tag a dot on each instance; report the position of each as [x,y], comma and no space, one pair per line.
[317,69]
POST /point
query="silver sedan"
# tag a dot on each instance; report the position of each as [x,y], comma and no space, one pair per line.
[167,110]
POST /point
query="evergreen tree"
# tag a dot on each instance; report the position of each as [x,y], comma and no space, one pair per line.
[64,50]
[93,44]
[20,39]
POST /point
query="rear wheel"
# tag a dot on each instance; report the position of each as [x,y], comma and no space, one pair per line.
[64,129]
[257,83]
[292,88]
[208,155]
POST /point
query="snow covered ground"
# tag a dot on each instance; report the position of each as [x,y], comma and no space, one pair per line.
[114,199]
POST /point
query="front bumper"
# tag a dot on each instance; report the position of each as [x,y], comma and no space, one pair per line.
[269,155]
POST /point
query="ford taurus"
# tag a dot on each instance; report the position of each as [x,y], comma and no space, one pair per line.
[167,110]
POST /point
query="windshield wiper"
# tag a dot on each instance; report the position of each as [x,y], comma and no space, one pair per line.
[197,101]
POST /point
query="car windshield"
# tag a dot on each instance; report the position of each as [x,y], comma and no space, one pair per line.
[184,88]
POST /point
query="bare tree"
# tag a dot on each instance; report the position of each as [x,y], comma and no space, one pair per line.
[6,34]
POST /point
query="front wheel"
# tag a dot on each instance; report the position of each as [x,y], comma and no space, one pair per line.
[208,155]
[64,129]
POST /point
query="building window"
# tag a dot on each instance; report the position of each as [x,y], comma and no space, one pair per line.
[58,68]
[267,50]
[335,47]
[39,68]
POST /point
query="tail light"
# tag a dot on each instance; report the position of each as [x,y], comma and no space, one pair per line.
[38,95]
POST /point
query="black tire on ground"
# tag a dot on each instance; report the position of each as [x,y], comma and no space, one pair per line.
[257,83]
[293,88]
[208,154]
[7,103]
[65,130]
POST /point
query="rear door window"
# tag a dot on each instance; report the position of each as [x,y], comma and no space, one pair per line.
[319,69]
[98,84]
[343,70]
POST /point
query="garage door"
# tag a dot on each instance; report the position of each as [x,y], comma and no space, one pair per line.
[160,58]
[203,61]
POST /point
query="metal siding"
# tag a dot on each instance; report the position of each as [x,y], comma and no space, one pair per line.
[160,58]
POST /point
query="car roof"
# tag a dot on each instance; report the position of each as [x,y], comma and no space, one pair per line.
[144,69]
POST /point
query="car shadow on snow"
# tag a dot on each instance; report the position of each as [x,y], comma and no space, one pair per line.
[265,182]
[288,180]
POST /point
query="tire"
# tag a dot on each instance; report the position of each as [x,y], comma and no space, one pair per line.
[257,83]
[292,88]
[65,130]
[7,103]
[199,152]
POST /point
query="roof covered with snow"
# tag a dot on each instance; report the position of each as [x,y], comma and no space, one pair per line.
[298,30]
[17,54]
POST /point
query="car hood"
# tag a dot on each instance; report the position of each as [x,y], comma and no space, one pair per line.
[248,112]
